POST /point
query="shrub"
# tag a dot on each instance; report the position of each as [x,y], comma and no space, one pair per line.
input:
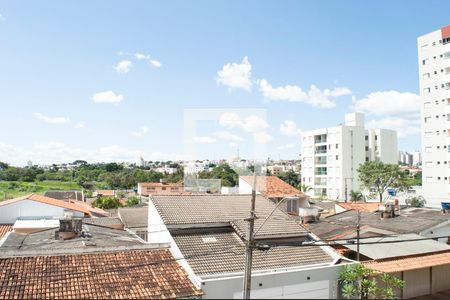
[106,202]
[416,201]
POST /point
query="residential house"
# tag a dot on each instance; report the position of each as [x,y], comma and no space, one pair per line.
[89,262]
[215,226]
[159,188]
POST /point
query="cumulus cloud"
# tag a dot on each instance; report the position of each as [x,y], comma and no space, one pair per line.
[394,110]
[228,136]
[204,140]
[289,128]
[236,75]
[251,123]
[123,66]
[293,93]
[107,97]
[140,56]
[140,132]
[51,120]
[156,63]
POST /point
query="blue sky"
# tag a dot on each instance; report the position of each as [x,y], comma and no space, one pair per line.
[72,86]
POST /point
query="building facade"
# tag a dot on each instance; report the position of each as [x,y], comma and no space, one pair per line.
[331,156]
[434,78]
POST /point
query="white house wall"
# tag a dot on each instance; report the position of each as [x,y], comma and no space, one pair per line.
[9,213]
[311,283]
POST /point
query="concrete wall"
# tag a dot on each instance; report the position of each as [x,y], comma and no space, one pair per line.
[314,283]
[245,187]
[9,213]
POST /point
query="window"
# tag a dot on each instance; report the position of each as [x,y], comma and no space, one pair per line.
[426,90]
[367,159]
[427,104]
[337,146]
[367,148]
[427,119]
[164,188]
[427,134]
[337,157]
[143,234]
[438,162]
[426,75]
[438,147]
[367,137]
[424,47]
[425,61]
[292,205]
[376,137]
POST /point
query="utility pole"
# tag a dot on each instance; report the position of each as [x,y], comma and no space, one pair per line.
[250,241]
[357,235]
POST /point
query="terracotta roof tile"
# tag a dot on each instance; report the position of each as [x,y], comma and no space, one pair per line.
[126,274]
[366,206]
[411,262]
[77,206]
[4,229]
[272,186]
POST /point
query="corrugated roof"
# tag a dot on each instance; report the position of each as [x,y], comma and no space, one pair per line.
[406,263]
[140,274]
[272,186]
[221,209]
[4,229]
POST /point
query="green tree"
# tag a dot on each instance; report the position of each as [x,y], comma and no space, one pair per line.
[416,201]
[358,281]
[381,176]
[132,201]
[290,177]
[106,202]
[304,188]
[356,196]
[224,172]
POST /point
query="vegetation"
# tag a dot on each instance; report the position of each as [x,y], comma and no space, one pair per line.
[380,176]
[106,202]
[132,201]
[414,180]
[290,177]
[304,188]
[357,281]
[416,201]
[13,189]
[224,172]
[356,196]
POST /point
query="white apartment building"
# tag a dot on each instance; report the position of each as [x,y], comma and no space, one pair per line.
[434,78]
[331,156]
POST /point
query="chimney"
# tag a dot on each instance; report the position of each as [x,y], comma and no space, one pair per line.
[69,228]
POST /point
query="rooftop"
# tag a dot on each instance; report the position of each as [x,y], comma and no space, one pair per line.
[65,195]
[411,220]
[108,193]
[111,222]
[160,184]
[76,206]
[4,229]
[272,186]
[227,253]
[361,206]
[223,210]
[411,262]
[400,245]
[44,243]
[134,217]
[138,274]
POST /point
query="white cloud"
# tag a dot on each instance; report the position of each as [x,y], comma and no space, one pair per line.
[204,140]
[228,136]
[388,103]
[292,93]
[107,97]
[156,63]
[233,145]
[140,132]
[2,18]
[251,123]
[289,128]
[404,127]
[52,120]
[391,110]
[123,66]
[152,61]
[140,56]
[79,125]
[286,147]
[235,75]
[262,137]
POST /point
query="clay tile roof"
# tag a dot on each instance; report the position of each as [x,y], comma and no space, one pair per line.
[272,186]
[77,206]
[139,274]
[411,262]
[4,229]
[366,206]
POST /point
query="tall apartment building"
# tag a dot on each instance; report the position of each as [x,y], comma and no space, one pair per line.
[331,156]
[434,78]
